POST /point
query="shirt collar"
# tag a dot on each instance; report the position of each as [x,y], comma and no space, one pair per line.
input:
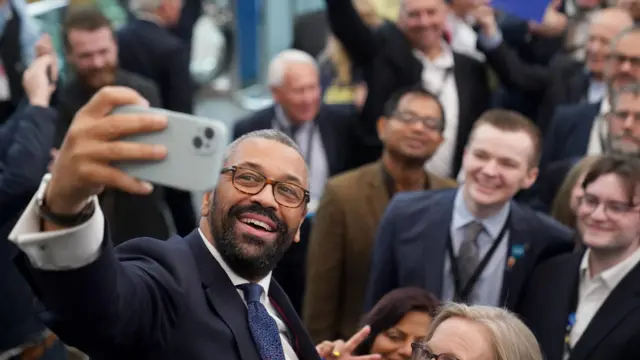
[613,275]
[235,278]
[462,216]
[443,62]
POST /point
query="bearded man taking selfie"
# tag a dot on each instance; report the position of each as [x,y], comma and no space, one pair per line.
[208,295]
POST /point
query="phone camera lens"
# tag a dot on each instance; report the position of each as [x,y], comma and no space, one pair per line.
[197,142]
[208,133]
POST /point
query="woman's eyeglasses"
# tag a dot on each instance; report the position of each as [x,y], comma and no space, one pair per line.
[423,352]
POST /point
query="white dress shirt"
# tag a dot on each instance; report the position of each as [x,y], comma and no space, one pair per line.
[79,246]
[593,291]
[438,77]
[464,39]
[599,129]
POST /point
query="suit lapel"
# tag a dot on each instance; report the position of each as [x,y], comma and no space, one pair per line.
[515,269]
[223,296]
[577,87]
[436,233]
[465,98]
[622,300]
[300,339]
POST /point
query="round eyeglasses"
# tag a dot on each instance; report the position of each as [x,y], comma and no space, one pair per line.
[252,182]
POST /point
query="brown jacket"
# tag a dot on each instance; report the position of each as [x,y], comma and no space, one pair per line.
[340,249]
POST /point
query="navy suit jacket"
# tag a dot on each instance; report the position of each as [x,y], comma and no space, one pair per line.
[336,126]
[411,245]
[613,332]
[569,133]
[151,299]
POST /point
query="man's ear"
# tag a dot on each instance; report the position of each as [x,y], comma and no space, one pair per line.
[207,199]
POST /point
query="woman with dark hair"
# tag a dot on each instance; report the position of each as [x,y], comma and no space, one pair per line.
[400,318]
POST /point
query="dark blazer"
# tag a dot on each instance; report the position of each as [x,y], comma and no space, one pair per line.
[411,244]
[157,54]
[614,331]
[335,123]
[388,64]
[310,32]
[153,299]
[563,82]
[569,133]
[25,141]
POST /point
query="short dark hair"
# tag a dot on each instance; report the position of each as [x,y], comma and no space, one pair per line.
[392,308]
[391,105]
[511,121]
[88,18]
[624,166]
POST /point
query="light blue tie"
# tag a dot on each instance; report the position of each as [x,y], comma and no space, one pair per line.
[263,327]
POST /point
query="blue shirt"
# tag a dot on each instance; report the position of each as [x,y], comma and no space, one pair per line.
[30,31]
[488,289]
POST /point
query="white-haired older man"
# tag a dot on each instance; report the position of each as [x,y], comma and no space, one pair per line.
[323,133]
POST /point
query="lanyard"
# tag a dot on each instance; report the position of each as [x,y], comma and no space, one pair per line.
[571,318]
[460,293]
[309,148]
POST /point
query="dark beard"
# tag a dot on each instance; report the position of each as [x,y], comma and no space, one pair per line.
[249,267]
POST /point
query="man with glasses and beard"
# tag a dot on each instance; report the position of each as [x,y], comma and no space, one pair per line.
[92,54]
[207,295]
[623,122]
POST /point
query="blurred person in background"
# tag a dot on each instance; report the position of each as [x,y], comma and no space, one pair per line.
[341,80]
[92,54]
[149,49]
[594,309]
[399,319]
[322,131]
[19,34]
[565,204]
[412,51]
[461,332]
[354,202]
[25,140]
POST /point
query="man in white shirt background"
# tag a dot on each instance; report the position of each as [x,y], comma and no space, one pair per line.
[208,295]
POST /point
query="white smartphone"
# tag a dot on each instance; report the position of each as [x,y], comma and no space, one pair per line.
[196,148]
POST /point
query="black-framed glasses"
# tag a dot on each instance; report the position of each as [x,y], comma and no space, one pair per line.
[423,352]
[429,122]
[612,209]
[252,182]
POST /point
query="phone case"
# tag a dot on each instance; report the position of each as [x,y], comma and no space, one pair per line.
[196,147]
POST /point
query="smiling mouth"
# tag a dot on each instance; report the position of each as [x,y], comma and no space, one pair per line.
[257,224]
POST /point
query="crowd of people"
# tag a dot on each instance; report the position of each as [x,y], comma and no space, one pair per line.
[450,182]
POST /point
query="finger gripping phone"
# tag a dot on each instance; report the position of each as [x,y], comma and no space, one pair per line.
[195,150]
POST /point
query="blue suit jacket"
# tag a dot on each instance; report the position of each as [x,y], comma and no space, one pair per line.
[152,299]
[569,133]
[411,244]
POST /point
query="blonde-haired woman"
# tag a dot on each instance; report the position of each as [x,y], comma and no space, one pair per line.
[342,83]
[566,201]
[461,332]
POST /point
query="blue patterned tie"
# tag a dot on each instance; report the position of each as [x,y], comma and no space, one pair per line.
[263,327]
